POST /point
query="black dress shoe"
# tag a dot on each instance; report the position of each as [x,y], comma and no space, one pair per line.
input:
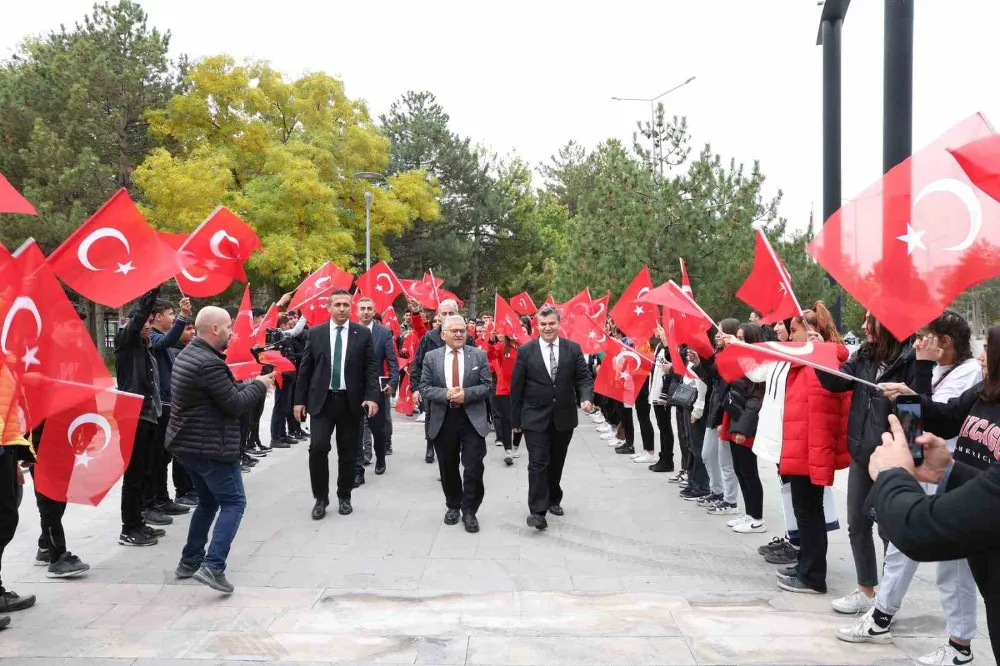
[289,440]
[345,507]
[380,467]
[429,457]
[537,521]
[319,510]
[367,460]
[359,480]
[451,518]
[470,522]
[388,448]
[11,602]
[556,510]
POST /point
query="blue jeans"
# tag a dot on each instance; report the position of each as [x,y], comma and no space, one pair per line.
[220,489]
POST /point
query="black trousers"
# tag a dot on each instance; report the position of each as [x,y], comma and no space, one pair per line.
[662,414]
[698,474]
[279,413]
[642,409]
[807,503]
[377,428]
[684,434]
[256,412]
[334,419]
[546,458]
[50,511]
[745,466]
[503,424]
[159,460]
[8,500]
[138,476]
[294,427]
[860,523]
[458,441]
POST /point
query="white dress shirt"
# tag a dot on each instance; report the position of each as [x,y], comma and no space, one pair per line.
[545,353]
[343,349]
[448,360]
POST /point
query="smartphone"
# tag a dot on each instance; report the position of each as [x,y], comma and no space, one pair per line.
[382,383]
[908,412]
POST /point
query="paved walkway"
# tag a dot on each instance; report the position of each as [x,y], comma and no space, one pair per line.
[630,575]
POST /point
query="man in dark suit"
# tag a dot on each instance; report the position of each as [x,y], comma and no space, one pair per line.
[385,361]
[455,383]
[337,384]
[550,379]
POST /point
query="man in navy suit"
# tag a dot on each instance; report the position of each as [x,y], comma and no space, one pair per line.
[385,361]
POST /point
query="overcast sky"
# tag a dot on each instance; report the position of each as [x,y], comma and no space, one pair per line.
[527,77]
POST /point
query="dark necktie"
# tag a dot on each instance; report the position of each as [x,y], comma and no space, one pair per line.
[338,348]
[456,381]
[553,366]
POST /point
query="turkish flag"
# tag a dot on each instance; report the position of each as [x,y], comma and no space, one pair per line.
[685,280]
[391,322]
[739,359]
[380,285]
[11,200]
[599,308]
[445,295]
[270,320]
[355,298]
[669,295]
[916,239]
[197,280]
[404,403]
[622,373]
[320,283]
[690,330]
[591,337]
[218,248]
[768,289]
[423,291]
[408,350]
[85,449]
[243,337]
[43,332]
[523,304]
[115,256]
[980,160]
[506,322]
[673,345]
[637,320]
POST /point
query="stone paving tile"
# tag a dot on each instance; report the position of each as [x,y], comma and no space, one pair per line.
[614,581]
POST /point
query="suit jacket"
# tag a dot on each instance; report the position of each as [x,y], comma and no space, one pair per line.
[536,401]
[477,382]
[316,368]
[385,353]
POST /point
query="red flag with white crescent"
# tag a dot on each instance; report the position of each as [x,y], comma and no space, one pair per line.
[622,373]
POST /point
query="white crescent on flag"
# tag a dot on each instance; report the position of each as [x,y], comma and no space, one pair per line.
[216,241]
[83,458]
[27,304]
[83,251]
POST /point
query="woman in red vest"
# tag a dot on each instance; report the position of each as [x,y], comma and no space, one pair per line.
[502,356]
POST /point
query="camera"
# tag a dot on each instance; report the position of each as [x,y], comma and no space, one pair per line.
[272,336]
[280,345]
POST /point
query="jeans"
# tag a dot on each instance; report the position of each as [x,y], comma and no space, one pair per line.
[955,583]
[745,465]
[719,463]
[220,489]
[859,525]
[807,500]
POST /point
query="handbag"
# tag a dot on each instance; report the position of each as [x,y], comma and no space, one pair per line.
[684,396]
[734,404]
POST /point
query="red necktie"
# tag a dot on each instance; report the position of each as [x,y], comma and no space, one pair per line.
[456,382]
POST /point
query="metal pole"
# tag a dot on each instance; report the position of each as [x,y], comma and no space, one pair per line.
[368,230]
[652,135]
[831,33]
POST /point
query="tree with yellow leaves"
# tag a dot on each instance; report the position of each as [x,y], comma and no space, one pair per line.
[282,156]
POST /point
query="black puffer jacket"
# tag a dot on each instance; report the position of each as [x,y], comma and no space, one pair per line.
[717,390]
[870,409]
[206,405]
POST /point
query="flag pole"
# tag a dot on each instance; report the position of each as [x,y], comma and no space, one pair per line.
[437,295]
[177,282]
[693,302]
[798,360]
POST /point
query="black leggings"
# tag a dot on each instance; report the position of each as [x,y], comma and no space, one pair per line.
[642,408]
[505,429]
[745,466]
[662,414]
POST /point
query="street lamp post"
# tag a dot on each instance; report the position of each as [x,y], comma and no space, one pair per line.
[652,113]
[372,177]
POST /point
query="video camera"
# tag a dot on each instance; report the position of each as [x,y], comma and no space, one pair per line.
[281,344]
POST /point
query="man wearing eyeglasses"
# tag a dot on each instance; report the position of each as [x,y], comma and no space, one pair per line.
[455,383]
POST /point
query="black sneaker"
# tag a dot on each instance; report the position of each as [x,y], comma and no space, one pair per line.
[280,444]
[709,499]
[788,573]
[185,571]
[67,566]
[11,602]
[246,469]
[214,579]
[797,586]
[254,453]
[154,517]
[42,558]
[154,532]
[625,448]
[691,494]
[171,508]
[191,499]
[250,462]
[681,476]
[771,546]
[788,554]
[289,440]
[137,538]
[429,456]
[260,448]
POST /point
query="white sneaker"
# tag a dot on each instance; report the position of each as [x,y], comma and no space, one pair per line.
[854,603]
[421,417]
[615,442]
[609,435]
[604,428]
[751,527]
[517,451]
[946,655]
[739,521]
[597,418]
[643,458]
[865,631]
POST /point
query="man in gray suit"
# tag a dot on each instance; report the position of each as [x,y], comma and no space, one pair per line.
[455,383]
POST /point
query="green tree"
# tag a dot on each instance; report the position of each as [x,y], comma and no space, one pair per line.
[281,154]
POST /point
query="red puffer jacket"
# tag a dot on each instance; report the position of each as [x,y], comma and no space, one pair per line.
[814,431]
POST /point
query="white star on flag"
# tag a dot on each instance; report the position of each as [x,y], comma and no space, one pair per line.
[914,239]
[639,310]
[626,376]
[210,264]
[379,288]
[125,268]
[83,459]
[30,357]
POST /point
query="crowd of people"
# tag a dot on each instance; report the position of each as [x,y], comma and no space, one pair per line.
[465,381]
